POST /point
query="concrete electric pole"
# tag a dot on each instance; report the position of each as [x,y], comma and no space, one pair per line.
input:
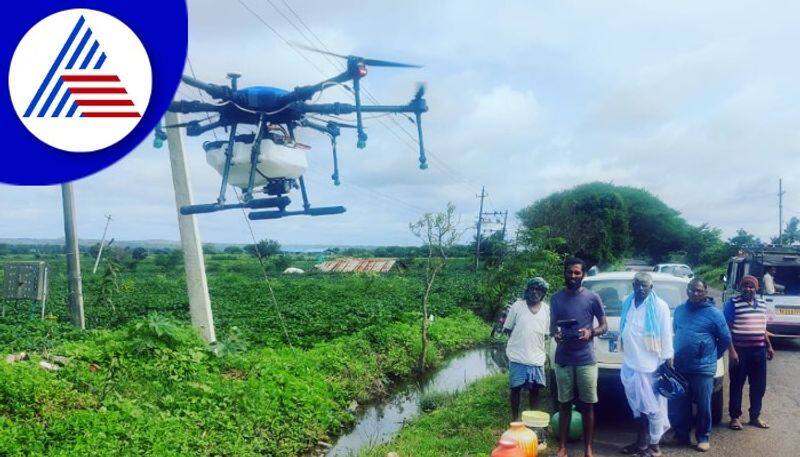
[478,235]
[73,257]
[781,192]
[196,283]
[102,241]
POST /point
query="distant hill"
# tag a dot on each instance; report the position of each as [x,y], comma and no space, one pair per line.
[170,244]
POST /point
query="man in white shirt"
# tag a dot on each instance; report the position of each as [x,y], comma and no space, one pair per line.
[646,342]
[528,323]
[770,286]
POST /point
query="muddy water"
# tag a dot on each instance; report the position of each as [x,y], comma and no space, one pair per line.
[379,423]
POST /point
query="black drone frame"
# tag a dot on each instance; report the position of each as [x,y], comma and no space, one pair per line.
[263,108]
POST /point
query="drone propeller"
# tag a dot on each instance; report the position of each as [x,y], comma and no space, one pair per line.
[420,91]
[366,61]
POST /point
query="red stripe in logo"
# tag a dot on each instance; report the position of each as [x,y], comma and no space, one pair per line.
[90,78]
[111,114]
[104,102]
[98,90]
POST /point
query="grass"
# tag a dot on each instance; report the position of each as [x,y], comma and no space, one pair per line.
[468,425]
[152,387]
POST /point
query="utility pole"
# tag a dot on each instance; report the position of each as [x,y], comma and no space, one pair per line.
[73,257]
[196,282]
[478,236]
[781,192]
[102,240]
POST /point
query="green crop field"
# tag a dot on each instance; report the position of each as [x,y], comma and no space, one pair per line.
[140,380]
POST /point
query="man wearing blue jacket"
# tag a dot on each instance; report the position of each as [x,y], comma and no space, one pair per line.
[701,338]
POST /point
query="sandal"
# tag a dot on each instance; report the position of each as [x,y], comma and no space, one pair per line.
[632,449]
[759,423]
[735,424]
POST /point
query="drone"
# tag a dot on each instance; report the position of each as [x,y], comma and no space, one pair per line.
[270,160]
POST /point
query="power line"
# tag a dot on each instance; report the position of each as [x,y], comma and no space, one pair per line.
[288,43]
[202,96]
[412,208]
[327,57]
[337,65]
[278,34]
[264,271]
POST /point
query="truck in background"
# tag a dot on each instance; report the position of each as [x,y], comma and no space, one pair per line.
[783,308]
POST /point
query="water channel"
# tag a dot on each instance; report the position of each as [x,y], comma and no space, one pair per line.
[379,423]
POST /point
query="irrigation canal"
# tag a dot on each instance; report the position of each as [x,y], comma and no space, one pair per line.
[379,423]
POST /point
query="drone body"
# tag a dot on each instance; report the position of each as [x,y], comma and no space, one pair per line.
[276,166]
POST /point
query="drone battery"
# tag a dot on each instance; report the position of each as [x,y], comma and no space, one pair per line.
[275,161]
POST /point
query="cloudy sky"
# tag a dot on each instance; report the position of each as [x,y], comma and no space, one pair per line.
[696,102]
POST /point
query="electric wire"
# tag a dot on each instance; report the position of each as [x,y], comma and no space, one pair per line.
[282,38]
[458,177]
[202,97]
[415,209]
[264,272]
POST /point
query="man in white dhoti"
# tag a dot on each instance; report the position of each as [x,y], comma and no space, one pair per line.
[646,343]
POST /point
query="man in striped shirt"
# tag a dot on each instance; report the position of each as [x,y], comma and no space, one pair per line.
[749,351]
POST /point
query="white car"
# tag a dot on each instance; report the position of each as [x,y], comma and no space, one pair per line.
[612,288]
[677,269]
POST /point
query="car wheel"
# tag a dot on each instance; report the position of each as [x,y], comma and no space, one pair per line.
[716,406]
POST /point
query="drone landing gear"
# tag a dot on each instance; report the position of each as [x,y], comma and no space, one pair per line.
[307,209]
[258,203]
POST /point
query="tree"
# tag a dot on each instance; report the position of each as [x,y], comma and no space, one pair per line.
[94,250]
[264,248]
[745,240]
[603,223]
[534,253]
[281,263]
[438,233]
[492,248]
[169,261]
[791,234]
[139,253]
[209,249]
[232,250]
[592,218]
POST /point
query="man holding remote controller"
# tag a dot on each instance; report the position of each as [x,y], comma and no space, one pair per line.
[573,312]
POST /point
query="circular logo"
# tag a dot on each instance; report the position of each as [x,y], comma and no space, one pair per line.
[80,80]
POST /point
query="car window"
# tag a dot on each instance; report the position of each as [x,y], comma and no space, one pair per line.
[683,271]
[613,292]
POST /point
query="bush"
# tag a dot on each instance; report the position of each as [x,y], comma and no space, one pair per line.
[153,387]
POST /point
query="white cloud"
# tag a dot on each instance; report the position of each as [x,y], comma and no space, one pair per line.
[696,102]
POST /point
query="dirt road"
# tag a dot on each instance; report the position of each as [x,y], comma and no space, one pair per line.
[781,410]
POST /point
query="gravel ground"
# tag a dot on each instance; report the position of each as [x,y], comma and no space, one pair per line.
[781,410]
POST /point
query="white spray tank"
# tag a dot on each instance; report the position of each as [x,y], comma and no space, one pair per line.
[275,161]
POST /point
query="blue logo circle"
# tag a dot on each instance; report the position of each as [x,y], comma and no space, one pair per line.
[87,82]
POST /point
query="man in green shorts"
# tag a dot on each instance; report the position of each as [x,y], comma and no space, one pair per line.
[573,312]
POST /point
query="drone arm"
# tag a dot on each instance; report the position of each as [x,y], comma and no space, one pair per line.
[346,108]
[416,107]
[304,93]
[314,125]
[186,107]
[214,90]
